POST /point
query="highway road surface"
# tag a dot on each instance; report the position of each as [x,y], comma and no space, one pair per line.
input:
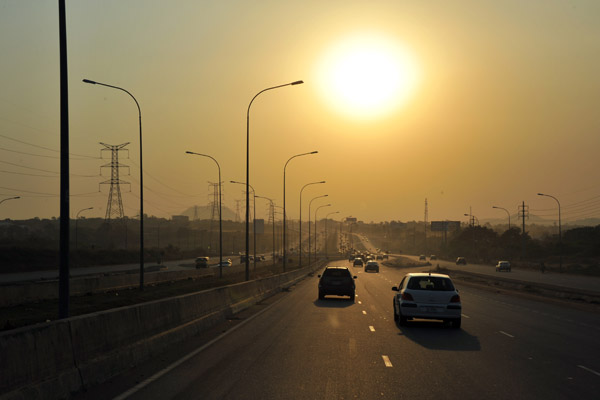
[176,265]
[295,346]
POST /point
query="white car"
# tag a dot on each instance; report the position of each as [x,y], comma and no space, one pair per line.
[503,266]
[428,296]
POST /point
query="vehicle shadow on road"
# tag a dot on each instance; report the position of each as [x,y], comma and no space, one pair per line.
[334,302]
[439,336]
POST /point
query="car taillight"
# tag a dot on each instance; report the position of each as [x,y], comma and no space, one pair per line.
[455,299]
[407,296]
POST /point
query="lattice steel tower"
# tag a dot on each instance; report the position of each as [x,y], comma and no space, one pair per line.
[237,211]
[114,207]
[214,208]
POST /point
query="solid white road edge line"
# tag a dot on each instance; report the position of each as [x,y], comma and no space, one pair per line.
[507,334]
[177,363]
[589,370]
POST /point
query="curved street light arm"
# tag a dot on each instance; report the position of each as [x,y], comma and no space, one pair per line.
[300,222]
[220,211]
[507,213]
[559,228]
[10,198]
[248,169]
[284,213]
[141,176]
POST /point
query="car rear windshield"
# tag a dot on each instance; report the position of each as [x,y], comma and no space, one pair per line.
[430,283]
[337,273]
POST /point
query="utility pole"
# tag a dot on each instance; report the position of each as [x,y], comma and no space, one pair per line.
[237,211]
[65,205]
[523,213]
[214,209]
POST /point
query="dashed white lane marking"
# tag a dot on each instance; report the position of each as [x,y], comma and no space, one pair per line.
[589,370]
[359,302]
[387,361]
[371,328]
[507,334]
[466,316]
[364,312]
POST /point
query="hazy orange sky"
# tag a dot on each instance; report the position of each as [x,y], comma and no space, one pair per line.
[488,103]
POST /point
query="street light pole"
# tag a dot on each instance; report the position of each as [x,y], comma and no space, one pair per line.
[248,170]
[507,213]
[273,211]
[472,220]
[300,227]
[220,215]
[326,236]
[77,220]
[284,215]
[559,231]
[317,210]
[10,198]
[141,177]
[309,218]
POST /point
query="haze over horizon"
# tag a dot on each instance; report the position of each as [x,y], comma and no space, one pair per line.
[477,104]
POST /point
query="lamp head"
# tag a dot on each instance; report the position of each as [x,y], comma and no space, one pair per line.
[314,152]
[89,81]
[541,194]
[297,83]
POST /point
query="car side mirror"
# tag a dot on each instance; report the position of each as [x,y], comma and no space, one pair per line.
[354,277]
[395,289]
[318,276]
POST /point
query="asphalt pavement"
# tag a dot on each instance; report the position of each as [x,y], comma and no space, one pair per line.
[572,281]
[299,347]
[153,266]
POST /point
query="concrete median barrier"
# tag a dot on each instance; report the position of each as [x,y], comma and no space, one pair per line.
[51,360]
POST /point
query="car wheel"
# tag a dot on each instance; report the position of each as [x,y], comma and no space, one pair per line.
[321,295]
[352,297]
[456,323]
[401,319]
[395,314]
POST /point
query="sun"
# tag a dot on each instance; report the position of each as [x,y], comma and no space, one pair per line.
[367,76]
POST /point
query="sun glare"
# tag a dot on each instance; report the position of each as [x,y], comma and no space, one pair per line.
[367,76]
